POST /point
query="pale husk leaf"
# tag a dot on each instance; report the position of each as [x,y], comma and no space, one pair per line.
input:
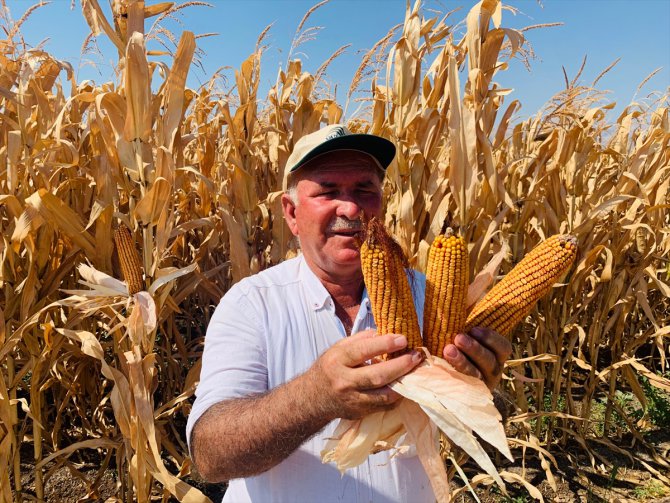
[355,439]
[94,278]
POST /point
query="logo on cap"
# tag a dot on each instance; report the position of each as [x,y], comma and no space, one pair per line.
[339,131]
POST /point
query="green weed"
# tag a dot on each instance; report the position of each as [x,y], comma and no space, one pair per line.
[652,489]
[659,404]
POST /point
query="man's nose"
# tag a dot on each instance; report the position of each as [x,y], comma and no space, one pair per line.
[350,209]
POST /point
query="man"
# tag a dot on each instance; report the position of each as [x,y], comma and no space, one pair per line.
[286,350]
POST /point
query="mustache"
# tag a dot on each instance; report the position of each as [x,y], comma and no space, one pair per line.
[344,224]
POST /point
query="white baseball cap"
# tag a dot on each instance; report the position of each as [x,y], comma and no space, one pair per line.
[337,137]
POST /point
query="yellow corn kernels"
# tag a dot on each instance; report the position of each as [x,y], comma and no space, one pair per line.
[383,264]
[444,309]
[129,259]
[510,300]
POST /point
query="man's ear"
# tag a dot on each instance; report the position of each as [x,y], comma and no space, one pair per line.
[289,207]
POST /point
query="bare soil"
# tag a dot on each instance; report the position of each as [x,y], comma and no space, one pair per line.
[609,476]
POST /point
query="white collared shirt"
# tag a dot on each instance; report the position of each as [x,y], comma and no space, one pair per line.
[268,329]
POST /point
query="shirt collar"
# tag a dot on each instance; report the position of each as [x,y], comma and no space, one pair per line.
[317,294]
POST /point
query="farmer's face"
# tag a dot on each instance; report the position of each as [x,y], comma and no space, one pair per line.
[333,194]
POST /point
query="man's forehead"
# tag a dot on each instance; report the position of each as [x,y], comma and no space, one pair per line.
[341,161]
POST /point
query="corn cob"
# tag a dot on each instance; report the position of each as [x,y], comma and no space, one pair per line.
[383,263]
[446,291]
[129,259]
[509,301]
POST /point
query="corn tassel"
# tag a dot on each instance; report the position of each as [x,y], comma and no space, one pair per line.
[444,310]
[383,263]
[509,301]
[129,259]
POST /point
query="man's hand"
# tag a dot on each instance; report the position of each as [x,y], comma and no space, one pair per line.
[481,353]
[348,386]
[242,437]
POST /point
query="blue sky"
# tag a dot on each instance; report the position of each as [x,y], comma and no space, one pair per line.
[636,31]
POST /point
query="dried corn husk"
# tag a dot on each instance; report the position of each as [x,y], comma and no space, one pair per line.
[436,396]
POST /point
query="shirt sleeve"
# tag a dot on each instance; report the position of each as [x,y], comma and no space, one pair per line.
[234,359]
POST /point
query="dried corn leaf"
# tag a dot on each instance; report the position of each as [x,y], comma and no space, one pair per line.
[98,22]
[138,91]
[58,213]
[144,413]
[515,477]
[165,276]
[173,96]
[92,443]
[154,202]
[239,254]
[485,278]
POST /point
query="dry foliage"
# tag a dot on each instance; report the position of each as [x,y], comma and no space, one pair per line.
[195,175]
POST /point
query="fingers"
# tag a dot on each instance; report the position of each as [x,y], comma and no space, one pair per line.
[385,372]
[454,354]
[500,346]
[354,388]
[362,347]
[481,357]
[369,402]
[482,354]
[383,398]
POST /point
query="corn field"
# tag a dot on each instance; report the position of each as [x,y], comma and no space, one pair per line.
[95,379]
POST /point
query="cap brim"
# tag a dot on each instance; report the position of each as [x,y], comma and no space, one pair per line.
[380,148]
